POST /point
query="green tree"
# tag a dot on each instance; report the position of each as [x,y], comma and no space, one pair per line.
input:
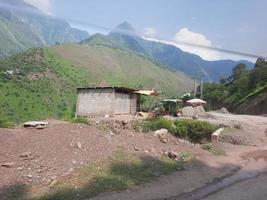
[258,75]
[238,71]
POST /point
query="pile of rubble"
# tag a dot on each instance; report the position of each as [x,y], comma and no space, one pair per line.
[115,126]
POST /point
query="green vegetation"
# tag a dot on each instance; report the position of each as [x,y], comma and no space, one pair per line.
[210,148]
[195,131]
[237,126]
[119,67]
[120,172]
[37,85]
[5,123]
[80,120]
[20,31]
[242,85]
[41,83]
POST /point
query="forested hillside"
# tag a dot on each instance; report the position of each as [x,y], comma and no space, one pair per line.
[240,89]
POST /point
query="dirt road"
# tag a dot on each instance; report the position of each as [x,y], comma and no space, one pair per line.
[241,174]
[40,156]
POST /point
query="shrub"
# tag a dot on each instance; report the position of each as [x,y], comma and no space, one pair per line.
[140,126]
[159,123]
[80,120]
[4,123]
[193,130]
[237,126]
[210,148]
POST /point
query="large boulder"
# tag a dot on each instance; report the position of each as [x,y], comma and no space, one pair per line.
[190,111]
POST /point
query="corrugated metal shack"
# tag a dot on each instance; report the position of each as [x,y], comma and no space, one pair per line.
[101,101]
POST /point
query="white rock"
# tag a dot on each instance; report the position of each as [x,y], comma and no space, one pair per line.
[79,145]
[161,133]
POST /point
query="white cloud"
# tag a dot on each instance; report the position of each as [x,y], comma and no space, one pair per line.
[149,32]
[43,5]
[184,35]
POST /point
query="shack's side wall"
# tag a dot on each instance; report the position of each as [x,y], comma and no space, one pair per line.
[95,102]
[134,106]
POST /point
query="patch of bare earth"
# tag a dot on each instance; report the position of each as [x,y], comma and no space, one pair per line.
[37,157]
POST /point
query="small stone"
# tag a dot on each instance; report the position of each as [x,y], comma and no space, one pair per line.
[29,176]
[71,170]
[40,127]
[171,154]
[164,140]
[53,183]
[74,161]
[66,175]
[8,165]
[137,149]
[19,168]
[116,131]
[79,145]
[25,155]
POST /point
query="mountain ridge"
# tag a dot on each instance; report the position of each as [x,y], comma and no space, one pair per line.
[22,26]
[166,54]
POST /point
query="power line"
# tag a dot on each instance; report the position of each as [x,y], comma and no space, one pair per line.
[106,29]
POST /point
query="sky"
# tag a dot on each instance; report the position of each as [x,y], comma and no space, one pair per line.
[238,25]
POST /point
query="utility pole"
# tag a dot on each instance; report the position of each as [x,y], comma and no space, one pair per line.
[201,87]
[195,87]
[198,78]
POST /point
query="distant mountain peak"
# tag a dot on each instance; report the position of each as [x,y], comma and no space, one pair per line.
[125,28]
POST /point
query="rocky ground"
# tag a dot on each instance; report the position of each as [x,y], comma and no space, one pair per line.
[39,157]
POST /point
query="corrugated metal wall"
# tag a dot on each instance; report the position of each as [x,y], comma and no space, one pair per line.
[122,103]
[134,98]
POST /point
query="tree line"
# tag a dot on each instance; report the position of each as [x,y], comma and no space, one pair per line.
[230,90]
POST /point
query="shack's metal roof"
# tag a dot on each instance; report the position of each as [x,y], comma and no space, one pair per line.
[172,100]
[108,87]
[148,92]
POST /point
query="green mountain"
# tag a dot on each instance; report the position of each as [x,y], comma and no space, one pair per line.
[125,37]
[41,83]
[23,26]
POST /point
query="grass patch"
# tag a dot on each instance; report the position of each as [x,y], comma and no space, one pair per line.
[122,171]
[4,123]
[81,120]
[237,126]
[193,130]
[210,148]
